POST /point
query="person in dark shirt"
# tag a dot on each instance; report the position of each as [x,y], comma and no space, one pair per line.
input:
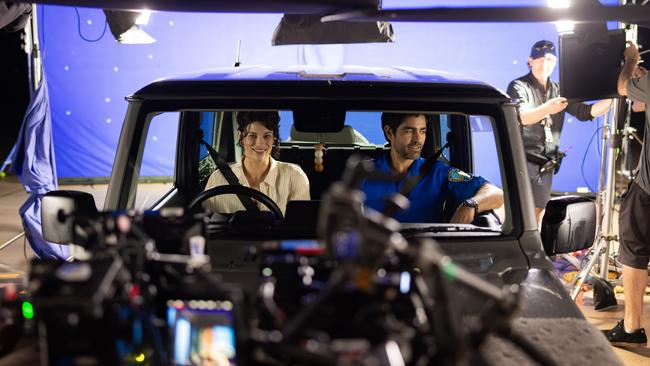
[406,134]
[634,231]
[541,110]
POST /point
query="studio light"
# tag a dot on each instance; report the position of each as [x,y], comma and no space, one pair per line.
[14,16]
[308,29]
[558,3]
[143,18]
[125,26]
[563,26]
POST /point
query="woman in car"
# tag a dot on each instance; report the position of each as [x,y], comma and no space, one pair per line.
[258,133]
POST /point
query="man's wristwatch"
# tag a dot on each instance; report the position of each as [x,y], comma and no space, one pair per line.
[470,202]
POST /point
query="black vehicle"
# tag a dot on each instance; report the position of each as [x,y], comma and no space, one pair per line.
[337,110]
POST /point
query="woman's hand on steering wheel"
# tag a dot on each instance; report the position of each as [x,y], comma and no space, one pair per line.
[239,190]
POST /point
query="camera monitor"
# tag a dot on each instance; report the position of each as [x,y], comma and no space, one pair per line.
[202,332]
[589,65]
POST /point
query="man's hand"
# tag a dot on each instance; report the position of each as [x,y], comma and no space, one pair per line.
[543,111]
[555,105]
[630,68]
[631,53]
[638,106]
[488,197]
[639,71]
[463,215]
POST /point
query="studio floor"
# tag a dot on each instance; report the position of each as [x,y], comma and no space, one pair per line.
[17,255]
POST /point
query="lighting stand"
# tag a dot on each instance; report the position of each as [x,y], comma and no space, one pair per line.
[604,203]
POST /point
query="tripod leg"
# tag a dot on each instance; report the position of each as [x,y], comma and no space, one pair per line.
[584,273]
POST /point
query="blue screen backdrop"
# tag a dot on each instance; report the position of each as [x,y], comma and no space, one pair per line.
[89,80]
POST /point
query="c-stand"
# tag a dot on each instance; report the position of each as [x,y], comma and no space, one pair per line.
[604,203]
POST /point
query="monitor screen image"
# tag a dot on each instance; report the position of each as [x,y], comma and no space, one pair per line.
[201,332]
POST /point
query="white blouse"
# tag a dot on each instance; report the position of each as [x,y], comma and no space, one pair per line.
[284,182]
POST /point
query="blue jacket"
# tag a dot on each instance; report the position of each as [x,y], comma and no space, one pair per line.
[428,196]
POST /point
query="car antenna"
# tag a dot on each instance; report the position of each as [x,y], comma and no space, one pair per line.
[237,63]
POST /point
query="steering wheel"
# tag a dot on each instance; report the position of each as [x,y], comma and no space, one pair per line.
[237,189]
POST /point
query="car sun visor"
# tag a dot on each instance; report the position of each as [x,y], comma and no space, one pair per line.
[319,119]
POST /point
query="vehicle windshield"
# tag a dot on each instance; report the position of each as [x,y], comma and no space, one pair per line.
[176,165]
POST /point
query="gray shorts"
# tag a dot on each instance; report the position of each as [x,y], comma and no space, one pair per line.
[634,231]
[541,184]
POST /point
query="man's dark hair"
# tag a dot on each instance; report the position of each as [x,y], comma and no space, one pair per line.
[270,120]
[393,120]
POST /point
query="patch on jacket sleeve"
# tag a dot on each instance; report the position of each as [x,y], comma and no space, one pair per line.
[457,175]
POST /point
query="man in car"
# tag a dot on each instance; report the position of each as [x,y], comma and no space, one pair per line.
[634,231]
[406,134]
[542,115]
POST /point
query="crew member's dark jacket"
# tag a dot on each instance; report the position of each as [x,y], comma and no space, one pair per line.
[529,93]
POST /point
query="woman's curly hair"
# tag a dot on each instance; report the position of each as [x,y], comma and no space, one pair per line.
[270,120]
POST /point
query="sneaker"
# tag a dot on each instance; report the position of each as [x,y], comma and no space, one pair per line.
[617,336]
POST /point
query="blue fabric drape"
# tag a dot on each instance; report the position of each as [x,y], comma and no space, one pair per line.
[33,163]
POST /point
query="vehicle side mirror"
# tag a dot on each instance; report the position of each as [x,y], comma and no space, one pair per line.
[59,209]
[569,225]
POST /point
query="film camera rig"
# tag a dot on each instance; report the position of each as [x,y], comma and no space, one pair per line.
[363,294]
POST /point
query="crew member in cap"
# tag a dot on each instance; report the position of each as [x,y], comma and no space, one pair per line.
[406,134]
[541,110]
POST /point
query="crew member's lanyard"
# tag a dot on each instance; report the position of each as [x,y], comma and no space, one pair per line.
[547,123]
[548,134]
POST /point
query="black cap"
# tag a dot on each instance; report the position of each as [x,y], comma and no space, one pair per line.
[541,48]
